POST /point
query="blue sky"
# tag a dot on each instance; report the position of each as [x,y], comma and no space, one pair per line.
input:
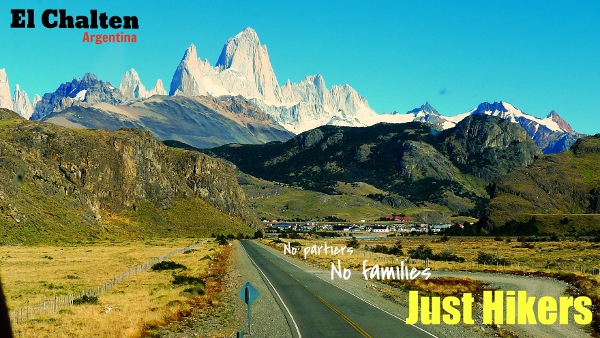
[539,56]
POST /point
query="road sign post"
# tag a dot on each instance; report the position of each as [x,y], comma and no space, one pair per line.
[248,294]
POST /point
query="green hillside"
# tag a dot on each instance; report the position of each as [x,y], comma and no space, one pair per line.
[562,191]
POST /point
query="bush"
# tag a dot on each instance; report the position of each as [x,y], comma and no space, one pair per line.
[447,256]
[85,299]
[167,265]
[222,240]
[258,234]
[394,250]
[527,245]
[380,248]
[422,252]
[195,290]
[491,259]
[187,280]
[353,243]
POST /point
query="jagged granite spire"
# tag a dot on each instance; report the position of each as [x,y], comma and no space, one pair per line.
[5,100]
[21,104]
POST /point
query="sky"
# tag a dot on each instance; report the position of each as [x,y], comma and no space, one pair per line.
[537,55]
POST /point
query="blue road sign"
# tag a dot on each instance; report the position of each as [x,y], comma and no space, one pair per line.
[248,293]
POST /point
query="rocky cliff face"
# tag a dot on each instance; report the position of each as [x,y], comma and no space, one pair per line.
[488,147]
[100,172]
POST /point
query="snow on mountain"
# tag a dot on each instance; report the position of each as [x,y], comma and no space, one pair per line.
[507,111]
[551,134]
[244,68]
[5,100]
[21,103]
[559,121]
[80,91]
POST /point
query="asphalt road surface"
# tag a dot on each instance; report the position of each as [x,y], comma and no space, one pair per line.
[316,308]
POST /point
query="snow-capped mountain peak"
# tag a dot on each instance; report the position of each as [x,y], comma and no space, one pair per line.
[553,115]
[244,68]
[509,112]
[426,108]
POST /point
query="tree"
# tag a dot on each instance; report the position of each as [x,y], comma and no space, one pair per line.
[422,252]
[353,243]
[258,234]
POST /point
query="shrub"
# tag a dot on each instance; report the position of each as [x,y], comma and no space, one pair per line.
[258,234]
[353,243]
[380,248]
[197,289]
[85,299]
[447,256]
[187,280]
[167,265]
[492,259]
[422,252]
[527,245]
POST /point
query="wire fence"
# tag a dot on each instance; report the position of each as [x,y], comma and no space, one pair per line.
[49,306]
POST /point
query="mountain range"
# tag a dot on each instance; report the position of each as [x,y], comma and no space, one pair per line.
[244,69]
[412,164]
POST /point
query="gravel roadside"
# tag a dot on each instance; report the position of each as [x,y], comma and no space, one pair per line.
[267,319]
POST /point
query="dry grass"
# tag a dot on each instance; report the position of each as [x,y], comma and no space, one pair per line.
[442,287]
[143,301]
[30,273]
[563,256]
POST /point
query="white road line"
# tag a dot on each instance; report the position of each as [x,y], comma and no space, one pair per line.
[364,300]
[277,293]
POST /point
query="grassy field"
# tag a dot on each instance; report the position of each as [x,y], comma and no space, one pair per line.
[136,306]
[557,257]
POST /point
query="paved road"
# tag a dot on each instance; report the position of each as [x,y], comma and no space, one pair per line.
[319,309]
